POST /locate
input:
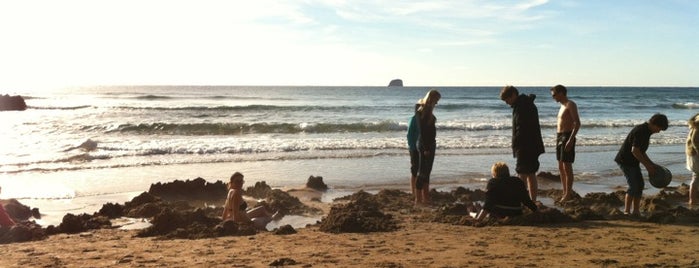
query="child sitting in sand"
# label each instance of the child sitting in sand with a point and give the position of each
(504, 194)
(237, 210)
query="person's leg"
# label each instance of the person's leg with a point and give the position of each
(568, 171)
(418, 196)
(526, 168)
(426, 193)
(634, 179)
(419, 184)
(414, 164)
(257, 212)
(532, 184)
(413, 179)
(636, 185)
(628, 200)
(560, 147)
(565, 164)
(261, 222)
(423, 180)
(636, 206)
(564, 183)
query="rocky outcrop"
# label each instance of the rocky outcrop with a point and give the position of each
(197, 189)
(316, 183)
(396, 83)
(12, 103)
(362, 214)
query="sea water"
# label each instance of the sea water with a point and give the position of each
(74, 149)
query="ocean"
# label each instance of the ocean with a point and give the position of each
(75, 149)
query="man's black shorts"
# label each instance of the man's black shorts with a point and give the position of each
(561, 154)
(527, 163)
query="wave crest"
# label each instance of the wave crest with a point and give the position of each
(244, 128)
(685, 105)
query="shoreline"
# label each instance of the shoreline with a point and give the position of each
(86, 191)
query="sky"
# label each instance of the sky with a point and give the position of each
(51, 44)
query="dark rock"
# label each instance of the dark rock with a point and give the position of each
(197, 189)
(112, 210)
(283, 262)
(35, 213)
(396, 83)
(17, 210)
(285, 230)
(462, 194)
(286, 204)
(361, 215)
(83, 222)
(316, 183)
(141, 199)
(549, 176)
(52, 230)
(654, 204)
(165, 222)
(21, 232)
(12, 103)
(146, 210)
(227, 228)
(192, 225)
(260, 190)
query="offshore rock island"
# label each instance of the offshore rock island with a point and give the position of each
(395, 83)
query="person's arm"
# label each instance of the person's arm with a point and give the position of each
(695, 141)
(490, 198)
(644, 159)
(481, 215)
(575, 118)
(227, 207)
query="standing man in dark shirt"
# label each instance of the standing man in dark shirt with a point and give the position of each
(633, 153)
(527, 144)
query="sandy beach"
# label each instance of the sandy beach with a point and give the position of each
(589, 244)
(415, 237)
(618, 243)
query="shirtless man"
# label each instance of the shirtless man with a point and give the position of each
(568, 126)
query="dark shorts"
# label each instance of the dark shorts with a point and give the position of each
(414, 162)
(634, 178)
(424, 169)
(527, 164)
(561, 154)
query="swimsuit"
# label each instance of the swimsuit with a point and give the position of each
(561, 141)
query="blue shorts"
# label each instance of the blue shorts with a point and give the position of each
(634, 178)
